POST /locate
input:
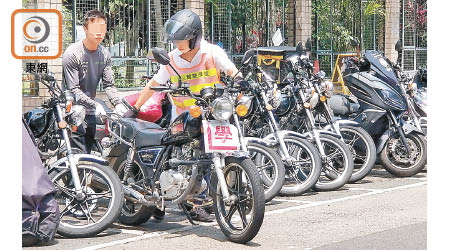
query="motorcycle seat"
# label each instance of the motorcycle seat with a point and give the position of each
(343, 105)
(145, 133)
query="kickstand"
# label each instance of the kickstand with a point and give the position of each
(188, 215)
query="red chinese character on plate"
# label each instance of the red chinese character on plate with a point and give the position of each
(223, 133)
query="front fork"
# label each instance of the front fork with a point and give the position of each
(400, 131)
(219, 164)
(276, 131)
(72, 164)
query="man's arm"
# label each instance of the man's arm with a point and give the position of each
(223, 63)
(70, 70)
(108, 81)
(146, 93)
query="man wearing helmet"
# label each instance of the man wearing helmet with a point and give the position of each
(198, 62)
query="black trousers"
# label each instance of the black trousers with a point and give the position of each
(84, 137)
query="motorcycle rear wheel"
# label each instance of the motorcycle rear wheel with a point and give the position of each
(132, 214)
(241, 220)
(363, 150)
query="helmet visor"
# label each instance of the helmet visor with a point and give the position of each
(178, 31)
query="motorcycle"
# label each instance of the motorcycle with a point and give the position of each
(358, 140)
(89, 193)
(300, 157)
(380, 107)
(199, 150)
(293, 106)
(415, 90)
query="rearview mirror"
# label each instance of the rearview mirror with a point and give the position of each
(159, 55)
(248, 56)
(398, 46)
(308, 45)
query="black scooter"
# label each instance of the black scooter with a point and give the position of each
(379, 106)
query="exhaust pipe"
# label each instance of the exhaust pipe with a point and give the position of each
(130, 193)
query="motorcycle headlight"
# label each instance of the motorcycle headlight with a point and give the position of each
(76, 116)
(392, 99)
(327, 86)
(276, 99)
(221, 109)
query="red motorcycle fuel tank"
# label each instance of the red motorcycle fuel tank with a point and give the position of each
(151, 110)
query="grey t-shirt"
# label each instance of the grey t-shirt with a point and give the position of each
(83, 69)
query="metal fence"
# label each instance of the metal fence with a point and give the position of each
(413, 32)
(335, 22)
(134, 26)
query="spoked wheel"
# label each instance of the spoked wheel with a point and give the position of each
(240, 218)
(98, 209)
(270, 168)
(337, 165)
(396, 160)
(363, 149)
(133, 214)
(304, 170)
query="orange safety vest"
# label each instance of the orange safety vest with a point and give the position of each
(199, 76)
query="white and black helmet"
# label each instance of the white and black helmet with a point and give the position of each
(185, 25)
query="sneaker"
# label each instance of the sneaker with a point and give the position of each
(200, 214)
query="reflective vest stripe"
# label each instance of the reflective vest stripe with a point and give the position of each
(194, 75)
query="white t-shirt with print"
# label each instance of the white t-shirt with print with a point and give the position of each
(220, 59)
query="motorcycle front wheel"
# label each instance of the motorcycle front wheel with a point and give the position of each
(363, 149)
(337, 164)
(97, 210)
(241, 218)
(270, 168)
(396, 160)
(305, 170)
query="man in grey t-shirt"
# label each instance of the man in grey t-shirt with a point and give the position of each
(85, 63)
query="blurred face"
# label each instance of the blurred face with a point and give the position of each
(182, 45)
(95, 31)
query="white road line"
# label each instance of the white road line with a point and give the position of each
(416, 178)
(278, 211)
(294, 201)
(127, 231)
(364, 189)
(351, 197)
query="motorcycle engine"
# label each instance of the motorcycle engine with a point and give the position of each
(174, 181)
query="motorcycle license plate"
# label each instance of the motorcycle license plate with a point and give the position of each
(220, 136)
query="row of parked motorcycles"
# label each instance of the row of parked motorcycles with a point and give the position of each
(241, 144)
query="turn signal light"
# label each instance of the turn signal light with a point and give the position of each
(307, 105)
(74, 128)
(241, 110)
(68, 107)
(195, 111)
(323, 98)
(269, 107)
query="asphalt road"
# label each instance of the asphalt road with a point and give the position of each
(381, 212)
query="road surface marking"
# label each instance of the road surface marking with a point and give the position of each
(278, 211)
